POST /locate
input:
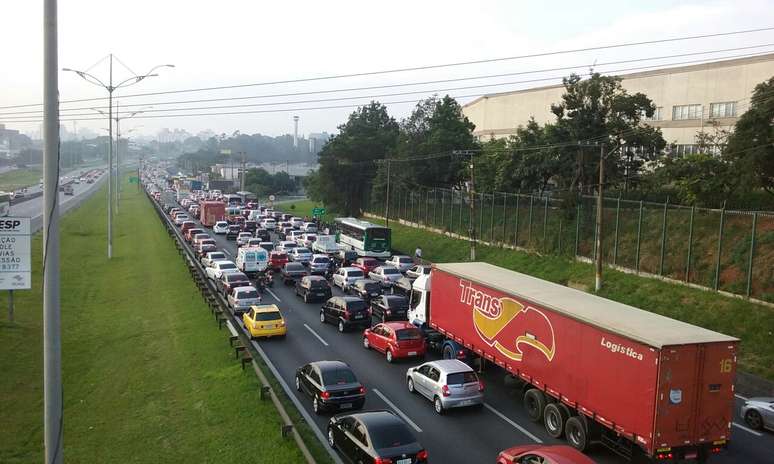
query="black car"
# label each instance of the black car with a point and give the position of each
(313, 287)
(231, 280)
(233, 231)
(250, 226)
(390, 307)
(292, 271)
(374, 437)
(346, 312)
(366, 289)
(346, 257)
(263, 234)
(331, 384)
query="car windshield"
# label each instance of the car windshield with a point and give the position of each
(390, 271)
(408, 334)
(248, 294)
(459, 378)
(338, 377)
(268, 316)
(390, 436)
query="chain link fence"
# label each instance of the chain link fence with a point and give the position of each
(718, 249)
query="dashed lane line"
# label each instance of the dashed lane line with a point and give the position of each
(316, 335)
(400, 413)
(514, 424)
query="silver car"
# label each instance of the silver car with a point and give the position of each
(385, 275)
(242, 298)
(402, 262)
(758, 413)
(319, 264)
(448, 383)
(347, 276)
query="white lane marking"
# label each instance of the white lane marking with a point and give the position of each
(227, 252)
(514, 424)
(395, 408)
(740, 397)
(754, 432)
(316, 335)
(274, 295)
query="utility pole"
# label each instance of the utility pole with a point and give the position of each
(598, 254)
(242, 189)
(472, 200)
(110, 162)
(387, 201)
(118, 158)
(52, 343)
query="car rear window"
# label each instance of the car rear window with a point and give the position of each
(459, 378)
(355, 274)
(217, 256)
(408, 334)
(248, 294)
(371, 287)
(279, 256)
(369, 262)
(302, 250)
(236, 277)
(208, 242)
(322, 260)
(228, 266)
(338, 377)
(268, 316)
(396, 302)
(390, 271)
(234, 228)
(318, 283)
(405, 260)
(356, 305)
(390, 436)
(294, 267)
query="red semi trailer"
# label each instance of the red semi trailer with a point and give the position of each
(212, 212)
(592, 370)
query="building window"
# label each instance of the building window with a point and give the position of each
(686, 112)
(657, 115)
(723, 110)
(681, 150)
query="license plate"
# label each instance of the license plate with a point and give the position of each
(358, 316)
(270, 326)
(403, 461)
(465, 403)
(412, 353)
(691, 455)
(345, 405)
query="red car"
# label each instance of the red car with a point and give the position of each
(366, 264)
(278, 259)
(396, 339)
(189, 234)
(555, 454)
(186, 226)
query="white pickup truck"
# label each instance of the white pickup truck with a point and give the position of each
(325, 244)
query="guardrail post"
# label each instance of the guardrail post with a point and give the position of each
(690, 246)
(663, 238)
(720, 246)
(577, 228)
(639, 237)
(752, 253)
(491, 220)
(545, 223)
(516, 225)
(615, 239)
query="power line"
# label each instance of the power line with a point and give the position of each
(427, 67)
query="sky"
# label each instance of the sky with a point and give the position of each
(238, 42)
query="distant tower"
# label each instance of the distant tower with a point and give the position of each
(295, 131)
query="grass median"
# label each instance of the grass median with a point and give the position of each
(147, 375)
(19, 178)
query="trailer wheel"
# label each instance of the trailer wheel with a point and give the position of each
(554, 417)
(448, 352)
(576, 433)
(534, 403)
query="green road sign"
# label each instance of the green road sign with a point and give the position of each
(318, 211)
(134, 180)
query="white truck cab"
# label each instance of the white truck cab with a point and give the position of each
(419, 301)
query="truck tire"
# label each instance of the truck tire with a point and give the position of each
(534, 404)
(448, 352)
(555, 415)
(576, 433)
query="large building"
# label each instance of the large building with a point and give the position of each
(687, 99)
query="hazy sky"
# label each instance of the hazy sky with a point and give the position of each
(228, 42)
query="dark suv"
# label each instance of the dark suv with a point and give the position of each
(331, 384)
(346, 312)
(250, 226)
(291, 272)
(233, 231)
(366, 289)
(390, 308)
(230, 281)
(313, 287)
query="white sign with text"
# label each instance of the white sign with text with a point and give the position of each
(15, 253)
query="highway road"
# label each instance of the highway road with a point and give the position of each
(460, 436)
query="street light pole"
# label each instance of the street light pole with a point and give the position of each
(598, 254)
(52, 343)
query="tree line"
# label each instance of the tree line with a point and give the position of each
(435, 147)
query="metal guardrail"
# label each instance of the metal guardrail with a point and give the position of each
(222, 314)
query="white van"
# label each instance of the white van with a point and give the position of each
(252, 260)
(325, 244)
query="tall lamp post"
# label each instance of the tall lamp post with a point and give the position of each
(110, 87)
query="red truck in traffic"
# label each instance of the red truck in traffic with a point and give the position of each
(591, 369)
(212, 212)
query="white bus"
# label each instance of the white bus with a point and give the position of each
(365, 238)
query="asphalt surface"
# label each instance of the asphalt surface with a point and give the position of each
(460, 436)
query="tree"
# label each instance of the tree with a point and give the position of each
(751, 146)
(348, 160)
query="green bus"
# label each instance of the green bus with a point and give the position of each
(365, 238)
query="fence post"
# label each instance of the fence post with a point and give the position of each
(462, 210)
(577, 228)
(443, 209)
(663, 238)
(560, 236)
(491, 220)
(529, 223)
(480, 235)
(690, 246)
(516, 224)
(545, 224)
(435, 207)
(594, 243)
(752, 253)
(639, 236)
(720, 246)
(615, 239)
(505, 217)
(427, 208)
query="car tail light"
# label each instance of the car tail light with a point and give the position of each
(445, 390)
(480, 385)
(716, 449)
(325, 395)
(422, 455)
(382, 461)
(362, 390)
(461, 354)
(665, 455)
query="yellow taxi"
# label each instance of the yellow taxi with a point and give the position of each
(264, 321)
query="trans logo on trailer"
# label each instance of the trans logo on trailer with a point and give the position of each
(507, 325)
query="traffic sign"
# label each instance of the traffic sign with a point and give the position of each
(15, 271)
(318, 211)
